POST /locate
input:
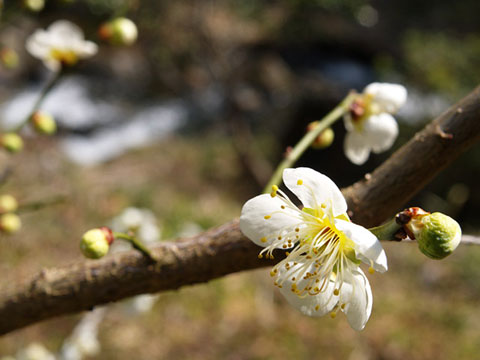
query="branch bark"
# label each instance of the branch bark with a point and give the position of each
(224, 250)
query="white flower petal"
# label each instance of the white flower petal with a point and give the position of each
(254, 225)
(388, 97)
(65, 29)
(356, 147)
(315, 189)
(367, 247)
(381, 131)
(37, 44)
(310, 305)
(86, 49)
(357, 295)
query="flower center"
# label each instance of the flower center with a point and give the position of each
(65, 57)
(361, 109)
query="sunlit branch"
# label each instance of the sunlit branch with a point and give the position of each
(224, 250)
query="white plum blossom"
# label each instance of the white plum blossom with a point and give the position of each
(321, 272)
(370, 124)
(63, 43)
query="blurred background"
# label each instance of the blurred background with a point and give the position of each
(191, 120)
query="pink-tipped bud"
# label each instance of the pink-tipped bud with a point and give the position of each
(10, 223)
(96, 242)
(119, 31)
(43, 123)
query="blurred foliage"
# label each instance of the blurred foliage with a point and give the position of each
(443, 62)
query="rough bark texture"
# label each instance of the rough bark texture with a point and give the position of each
(225, 250)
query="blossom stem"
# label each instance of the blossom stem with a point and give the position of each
(137, 244)
(43, 94)
(388, 231)
(293, 155)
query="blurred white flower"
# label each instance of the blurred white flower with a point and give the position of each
(144, 224)
(63, 43)
(35, 351)
(140, 304)
(141, 221)
(83, 341)
(369, 123)
(321, 272)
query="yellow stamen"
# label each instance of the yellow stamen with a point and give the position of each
(300, 182)
(263, 239)
(371, 270)
(266, 217)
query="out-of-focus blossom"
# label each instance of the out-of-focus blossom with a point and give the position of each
(83, 342)
(62, 44)
(369, 123)
(34, 351)
(140, 221)
(144, 224)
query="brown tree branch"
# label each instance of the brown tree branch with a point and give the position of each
(225, 250)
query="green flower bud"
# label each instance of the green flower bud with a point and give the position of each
(43, 123)
(7, 203)
(324, 140)
(96, 242)
(10, 223)
(438, 236)
(11, 142)
(120, 31)
(34, 5)
(9, 58)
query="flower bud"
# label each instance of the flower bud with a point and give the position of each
(7, 203)
(11, 142)
(438, 235)
(96, 242)
(324, 139)
(34, 5)
(10, 223)
(43, 123)
(9, 58)
(120, 31)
